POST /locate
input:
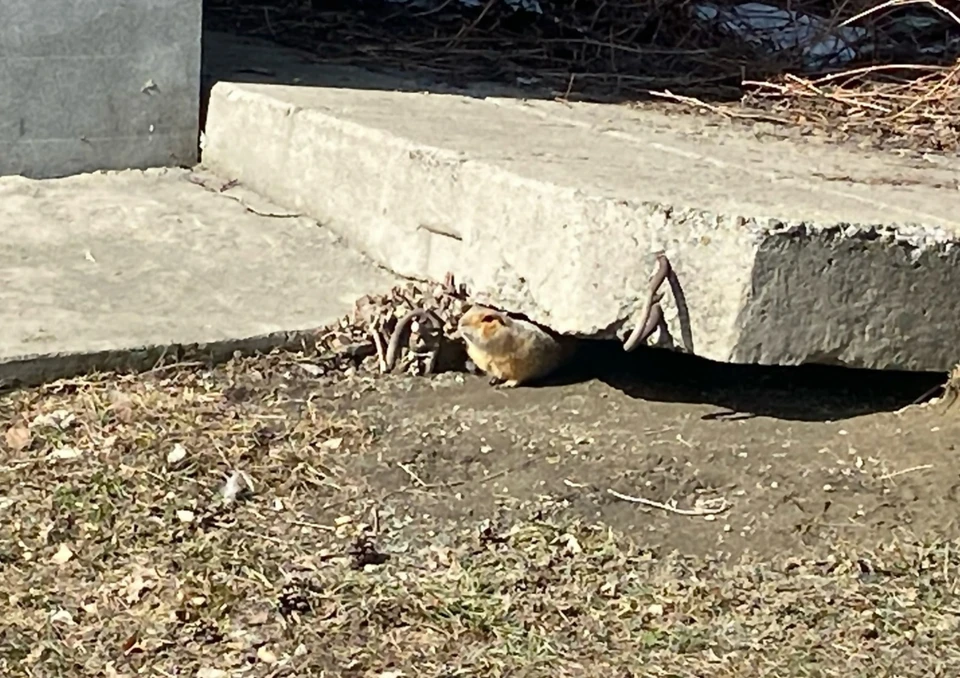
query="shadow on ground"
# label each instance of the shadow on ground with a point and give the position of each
(802, 393)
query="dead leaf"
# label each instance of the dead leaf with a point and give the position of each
(177, 454)
(260, 617)
(266, 656)
(236, 483)
(571, 545)
(206, 672)
(62, 555)
(186, 516)
(18, 438)
(67, 452)
(62, 617)
(136, 584)
(61, 419)
(129, 644)
(312, 370)
(123, 409)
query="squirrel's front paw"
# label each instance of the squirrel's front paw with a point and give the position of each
(509, 383)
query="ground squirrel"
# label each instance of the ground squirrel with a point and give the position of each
(511, 350)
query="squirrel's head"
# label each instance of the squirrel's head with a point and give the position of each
(483, 326)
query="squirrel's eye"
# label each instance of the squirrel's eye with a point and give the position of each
(489, 318)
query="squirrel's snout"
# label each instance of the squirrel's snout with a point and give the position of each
(465, 332)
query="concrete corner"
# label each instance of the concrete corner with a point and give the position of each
(100, 85)
(788, 250)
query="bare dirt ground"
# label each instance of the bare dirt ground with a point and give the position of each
(258, 520)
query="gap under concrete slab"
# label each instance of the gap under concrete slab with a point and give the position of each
(788, 250)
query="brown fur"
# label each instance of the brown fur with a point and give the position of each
(510, 349)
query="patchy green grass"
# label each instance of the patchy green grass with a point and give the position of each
(123, 553)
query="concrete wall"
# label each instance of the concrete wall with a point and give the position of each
(98, 84)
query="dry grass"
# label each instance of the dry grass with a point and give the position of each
(121, 556)
(905, 91)
(951, 389)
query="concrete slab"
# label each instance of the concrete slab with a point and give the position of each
(788, 251)
(113, 270)
(98, 85)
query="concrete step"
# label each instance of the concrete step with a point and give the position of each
(88, 86)
(125, 269)
(788, 249)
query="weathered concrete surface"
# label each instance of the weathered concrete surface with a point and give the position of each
(87, 85)
(787, 251)
(112, 270)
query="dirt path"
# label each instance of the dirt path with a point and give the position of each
(785, 485)
(438, 527)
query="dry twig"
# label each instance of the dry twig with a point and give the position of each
(701, 511)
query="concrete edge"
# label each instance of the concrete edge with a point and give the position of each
(832, 297)
(452, 230)
(855, 293)
(40, 369)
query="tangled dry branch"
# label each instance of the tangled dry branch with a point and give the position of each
(904, 87)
